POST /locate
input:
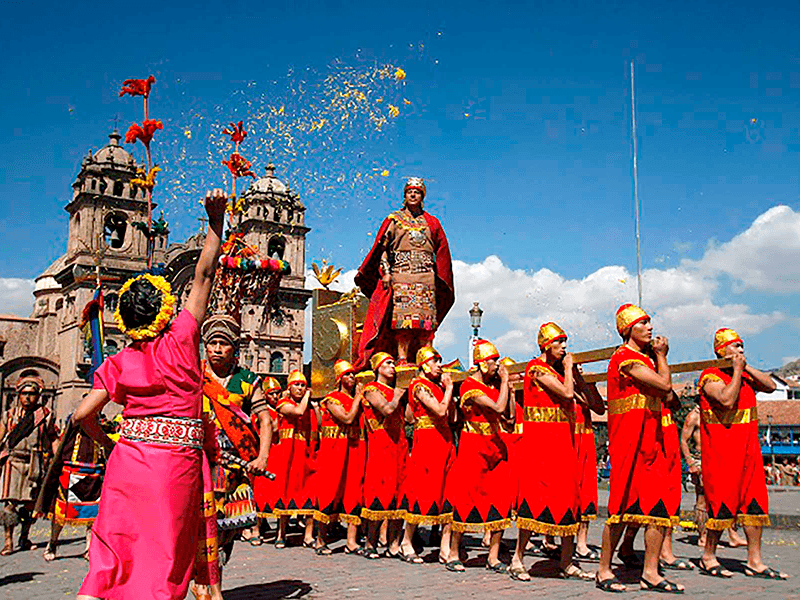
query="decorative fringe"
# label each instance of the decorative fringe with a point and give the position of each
(428, 519)
(642, 520)
(293, 512)
(327, 519)
(720, 524)
(588, 518)
(350, 519)
(459, 527)
(380, 515)
(753, 520)
(547, 528)
(266, 515)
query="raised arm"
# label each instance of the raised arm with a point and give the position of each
(727, 395)
(345, 417)
(215, 203)
(502, 398)
(379, 403)
(762, 382)
(659, 380)
(295, 410)
(565, 391)
(428, 400)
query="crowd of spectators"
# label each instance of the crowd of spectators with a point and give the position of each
(783, 472)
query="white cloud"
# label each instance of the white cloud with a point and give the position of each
(763, 257)
(16, 296)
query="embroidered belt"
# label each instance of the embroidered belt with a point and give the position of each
(634, 402)
(516, 429)
(332, 431)
(292, 433)
(666, 420)
(480, 427)
(163, 430)
(730, 417)
(583, 428)
(545, 414)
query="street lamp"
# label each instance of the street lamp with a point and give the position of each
(475, 315)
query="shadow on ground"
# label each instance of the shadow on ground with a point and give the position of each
(18, 578)
(275, 590)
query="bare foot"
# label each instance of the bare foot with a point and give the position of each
(50, 553)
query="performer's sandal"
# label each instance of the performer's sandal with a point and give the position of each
(573, 571)
(591, 555)
(370, 553)
(323, 550)
(280, 544)
(519, 573)
(412, 558)
(498, 567)
(678, 564)
(348, 550)
(607, 585)
(767, 573)
(49, 553)
(663, 586)
(716, 571)
(456, 566)
(255, 540)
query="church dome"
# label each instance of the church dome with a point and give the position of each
(114, 155)
(268, 183)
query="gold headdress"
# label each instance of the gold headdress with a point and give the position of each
(271, 385)
(415, 183)
(297, 376)
(426, 354)
(341, 368)
(378, 359)
(628, 315)
(725, 337)
(483, 351)
(549, 333)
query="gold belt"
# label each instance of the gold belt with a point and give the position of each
(730, 417)
(583, 428)
(374, 424)
(666, 420)
(292, 433)
(634, 402)
(545, 414)
(426, 422)
(481, 427)
(332, 431)
(516, 429)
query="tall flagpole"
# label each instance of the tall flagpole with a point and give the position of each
(636, 187)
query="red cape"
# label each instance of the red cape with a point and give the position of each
(377, 334)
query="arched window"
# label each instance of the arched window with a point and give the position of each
(110, 302)
(114, 229)
(276, 362)
(118, 188)
(276, 247)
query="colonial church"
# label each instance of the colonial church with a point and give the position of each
(104, 245)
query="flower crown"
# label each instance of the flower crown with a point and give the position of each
(164, 314)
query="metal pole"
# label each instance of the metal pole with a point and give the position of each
(636, 186)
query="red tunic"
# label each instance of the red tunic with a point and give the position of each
(733, 471)
(478, 489)
(265, 491)
(332, 458)
(387, 449)
(295, 460)
(672, 449)
(353, 497)
(512, 436)
(432, 455)
(640, 491)
(587, 462)
(549, 496)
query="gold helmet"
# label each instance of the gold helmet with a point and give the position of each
(549, 333)
(297, 376)
(725, 337)
(483, 351)
(378, 359)
(341, 368)
(425, 355)
(627, 316)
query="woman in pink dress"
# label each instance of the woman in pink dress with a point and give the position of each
(145, 538)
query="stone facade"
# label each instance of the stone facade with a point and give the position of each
(104, 243)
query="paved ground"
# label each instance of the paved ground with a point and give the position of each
(265, 573)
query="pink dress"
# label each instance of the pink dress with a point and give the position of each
(145, 537)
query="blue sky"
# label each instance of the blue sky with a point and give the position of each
(519, 118)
